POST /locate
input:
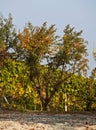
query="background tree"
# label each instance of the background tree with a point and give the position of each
(8, 37)
(15, 86)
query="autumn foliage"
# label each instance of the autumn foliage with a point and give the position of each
(42, 71)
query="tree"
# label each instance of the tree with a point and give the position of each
(8, 38)
(35, 45)
(14, 82)
(71, 58)
(63, 58)
(72, 55)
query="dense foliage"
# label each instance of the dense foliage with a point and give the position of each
(41, 71)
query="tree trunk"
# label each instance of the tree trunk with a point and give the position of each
(88, 105)
(45, 106)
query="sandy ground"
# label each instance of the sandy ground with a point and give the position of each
(47, 121)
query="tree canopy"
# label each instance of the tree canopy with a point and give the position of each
(38, 62)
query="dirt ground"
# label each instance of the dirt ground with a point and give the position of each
(12, 120)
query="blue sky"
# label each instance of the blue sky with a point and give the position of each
(77, 13)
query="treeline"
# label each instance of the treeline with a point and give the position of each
(42, 71)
